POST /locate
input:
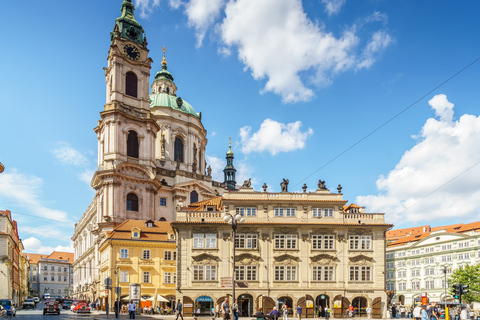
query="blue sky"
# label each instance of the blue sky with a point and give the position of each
(294, 83)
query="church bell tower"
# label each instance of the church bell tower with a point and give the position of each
(125, 180)
(230, 171)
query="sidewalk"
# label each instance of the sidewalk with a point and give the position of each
(125, 316)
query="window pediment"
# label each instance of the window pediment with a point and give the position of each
(324, 259)
(361, 260)
(247, 259)
(286, 259)
(205, 259)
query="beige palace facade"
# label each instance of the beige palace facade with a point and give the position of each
(300, 249)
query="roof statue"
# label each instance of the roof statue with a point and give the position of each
(284, 185)
(264, 187)
(304, 187)
(321, 185)
(247, 183)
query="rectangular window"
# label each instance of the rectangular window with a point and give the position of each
(402, 274)
(390, 255)
(446, 247)
(317, 212)
(52, 268)
(285, 241)
(146, 277)
(360, 242)
(390, 286)
(53, 278)
(285, 273)
(34, 268)
(60, 269)
(401, 254)
(415, 252)
(415, 262)
(328, 213)
(45, 268)
(174, 277)
(429, 271)
(246, 273)
(204, 273)
(360, 273)
(415, 285)
(323, 273)
(390, 265)
(167, 277)
(402, 286)
(146, 255)
(163, 202)
(429, 249)
(247, 211)
(45, 278)
(246, 241)
(284, 212)
(64, 279)
(430, 284)
(325, 242)
(168, 255)
(123, 253)
(415, 272)
(59, 278)
(401, 263)
(207, 240)
(123, 276)
(34, 279)
(429, 260)
(389, 275)
(446, 258)
(447, 284)
(464, 244)
(463, 256)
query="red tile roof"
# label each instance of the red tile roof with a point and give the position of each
(159, 232)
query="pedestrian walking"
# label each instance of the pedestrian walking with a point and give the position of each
(116, 305)
(225, 310)
(299, 313)
(274, 313)
(179, 309)
(132, 309)
(327, 312)
(235, 310)
(285, 312)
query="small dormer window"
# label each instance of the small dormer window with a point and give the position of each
(210, 208)
(149, 224)
(136, 233)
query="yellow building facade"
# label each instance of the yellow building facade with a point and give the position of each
(139, 252)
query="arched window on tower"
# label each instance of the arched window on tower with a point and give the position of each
(132, 202)
(131, 84)
(193, 196)
(178, 152)
(132, 144)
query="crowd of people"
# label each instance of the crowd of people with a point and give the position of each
(432, 312)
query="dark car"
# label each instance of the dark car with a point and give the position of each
(51, 307)
(67, 303)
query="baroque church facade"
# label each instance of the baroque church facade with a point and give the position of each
(151, 152)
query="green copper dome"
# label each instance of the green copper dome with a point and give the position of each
(176, 103)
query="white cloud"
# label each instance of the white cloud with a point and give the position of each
(68, 155)
(86, 176)
(202, 14)
(274, 137)
(430, 179)
(217, 164)
(333, 6)
(286, 47)
(22, 190)
(145, 7)
(379, 41)
(34, 245)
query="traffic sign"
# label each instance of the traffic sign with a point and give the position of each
(108, 281)
(106, 291)
(118, 290)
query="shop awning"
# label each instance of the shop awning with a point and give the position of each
(204, 299)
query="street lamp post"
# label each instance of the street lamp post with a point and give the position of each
(233, 221)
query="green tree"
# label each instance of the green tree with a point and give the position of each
(469, 275)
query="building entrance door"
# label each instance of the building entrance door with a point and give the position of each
(245, 305)
(322, 301)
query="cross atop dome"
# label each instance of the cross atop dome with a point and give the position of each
(164, 61)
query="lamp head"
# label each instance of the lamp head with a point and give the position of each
(238, 217)
(227, 218)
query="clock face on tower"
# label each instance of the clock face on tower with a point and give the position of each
(131, 52)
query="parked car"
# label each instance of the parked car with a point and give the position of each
(36, 299)
(67, 303)
(8, 305)
(29, 303)
(51, 307)
(82, 307)
(3, 312)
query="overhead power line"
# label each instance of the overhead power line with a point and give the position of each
(387, 122)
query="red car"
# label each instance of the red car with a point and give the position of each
(81, 307)
(51, 307)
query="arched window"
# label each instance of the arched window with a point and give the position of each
(193, 196)
(131, 84)
(162, 219)
(132, 202)
(178, 152)
(132, 144)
